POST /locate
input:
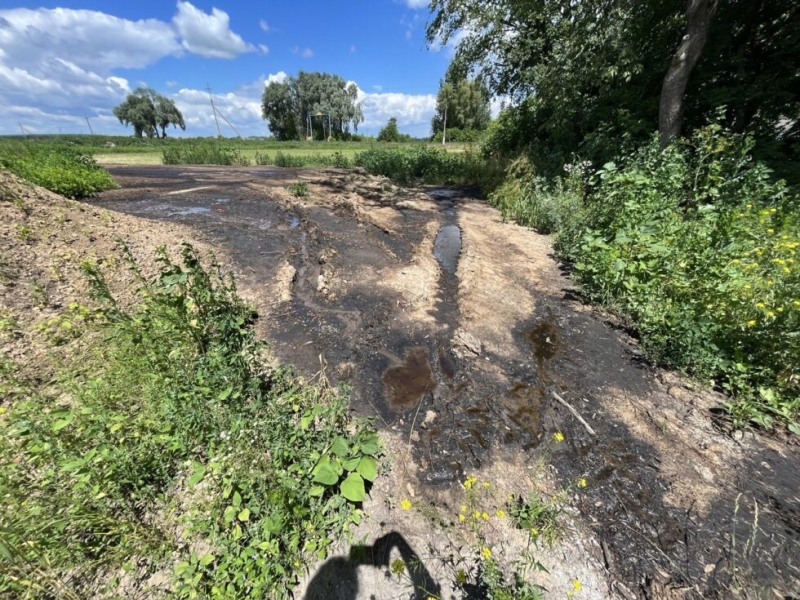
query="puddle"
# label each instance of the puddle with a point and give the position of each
(265, 173)
(524, 408)
(170, 210)
(447, 247)
(294, 221)
(545, 340)
(406, 384)
(222, 200)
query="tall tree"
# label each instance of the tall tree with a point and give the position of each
(287, 106)
(147, 110)
(461, 103)
(699, 14)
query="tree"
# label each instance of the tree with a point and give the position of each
(390, 133)
(290, 107)
(587, 76)
(461, 104)
(147, 110)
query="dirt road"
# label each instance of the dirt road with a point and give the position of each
(462, 336)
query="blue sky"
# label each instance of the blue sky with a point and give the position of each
(62, 61)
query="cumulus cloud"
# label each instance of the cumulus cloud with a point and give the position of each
(264, 25)
(417, 3)
(57, 65)
(208, 34)
(412, 111)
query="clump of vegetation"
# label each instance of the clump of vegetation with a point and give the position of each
(390, 133)
(60, 169)
(170, 447)
(290, 160)
(698, 245)
(430, 165)
(203, 154)
(298, 190)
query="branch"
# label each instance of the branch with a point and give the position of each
(575, 414)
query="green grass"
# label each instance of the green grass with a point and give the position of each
(62, 169)
(168, 446)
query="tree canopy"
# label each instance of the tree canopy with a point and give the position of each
(464, 103)
(287, 106)
(587, 75)
(148, 110)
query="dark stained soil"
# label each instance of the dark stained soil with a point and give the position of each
(458, 330)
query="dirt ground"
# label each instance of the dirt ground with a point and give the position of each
(471, 348)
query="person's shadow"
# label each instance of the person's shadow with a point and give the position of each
(337, 579)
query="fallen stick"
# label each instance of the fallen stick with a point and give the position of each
(575, 413)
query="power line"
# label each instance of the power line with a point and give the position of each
(214, 110)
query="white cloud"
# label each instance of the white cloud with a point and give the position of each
(264, 25)
(412, 111)
(415, 4)
(263, 49)
(208, 34)
(304, 52)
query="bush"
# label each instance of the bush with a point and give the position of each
(462, 136)
(60, 169)
(206, 154)
(173, 447)
(430, 165)
(698, 245)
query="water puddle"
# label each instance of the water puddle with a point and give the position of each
(407, 383)
(524, 408)
(442, 193)
(222, 201)
(447, 247)
(294, 221)
(170, 210)
(265, 173)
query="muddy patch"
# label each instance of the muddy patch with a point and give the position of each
(407, 383)
(447, 247)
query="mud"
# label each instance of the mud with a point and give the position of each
(459, 341)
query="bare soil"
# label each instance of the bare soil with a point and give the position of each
(458, 333)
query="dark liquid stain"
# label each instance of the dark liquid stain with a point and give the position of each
(446, 364)
(406, 384)
(524, 406)
(447, 247)
(546, 342)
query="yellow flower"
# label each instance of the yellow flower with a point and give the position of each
(577, 585)
(485, 516)
(749, 206)
(469, 482)
(582, 482)
(751, 322)
(787, 270)
(796, 302)
(770, 314)
(760, 304)
(558, 436)
(405, 504)
(486, 552)
(770, 231)
(461, 517)
(486, 484)
(501, 514)
(534, 532)
(463, 508)
(477, 514)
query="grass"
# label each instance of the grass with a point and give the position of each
(167, 446)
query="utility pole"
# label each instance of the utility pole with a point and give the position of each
(444, 128)
(214, 110)
(90, 126)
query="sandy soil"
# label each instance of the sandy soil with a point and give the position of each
(467, 362)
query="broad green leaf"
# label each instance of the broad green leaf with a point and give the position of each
(197, 475)
(224, 395)
(317, 490)
(230, 514)
(350, 464)
(368, 468)
(324, 473)
(371, 445)
(61, 423)
(206, 560)
(353, 488)
(244, 515)
(237, 499)
(339, 447)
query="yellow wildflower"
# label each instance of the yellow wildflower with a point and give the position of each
(501, 514)
(461, 517)
(405, 504)
(485, 516)
(770, 231)
(770, 314)
(558, 436)
(787, 270)
(486, 552)
(486, 484)
(751, 322)
(463, 508)
(470, 481)
(760, 304)
(477, 514)
(582, 482)
(577, 585)
(534, 532)
(796, 302)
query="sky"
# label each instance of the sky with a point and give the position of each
(63, 61)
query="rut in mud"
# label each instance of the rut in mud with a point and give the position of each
(458, 330)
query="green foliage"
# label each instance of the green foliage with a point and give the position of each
(322, 96)
(466, 104)
(147, 110)
(430, 165)
(289, 160)
(460, 136)
(390, 133)
(172, 422)
(495, 584)
(60, 169)
(299, 189)
(539, 518)
(203, 154)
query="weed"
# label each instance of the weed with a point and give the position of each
(25, 233)
(298, 190)
(537, 517)
(207, 154)
(39, 294)
(173, 420)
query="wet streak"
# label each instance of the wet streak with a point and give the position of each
(408, 383)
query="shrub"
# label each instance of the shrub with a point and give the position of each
(464, 136)
(60, 169)
(174, 423)
(205, 154)
(288, 160)
(698, 245)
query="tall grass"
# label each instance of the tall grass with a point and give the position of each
(60, 169)
(206, 154)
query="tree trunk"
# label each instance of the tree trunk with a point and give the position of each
(699, 14)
